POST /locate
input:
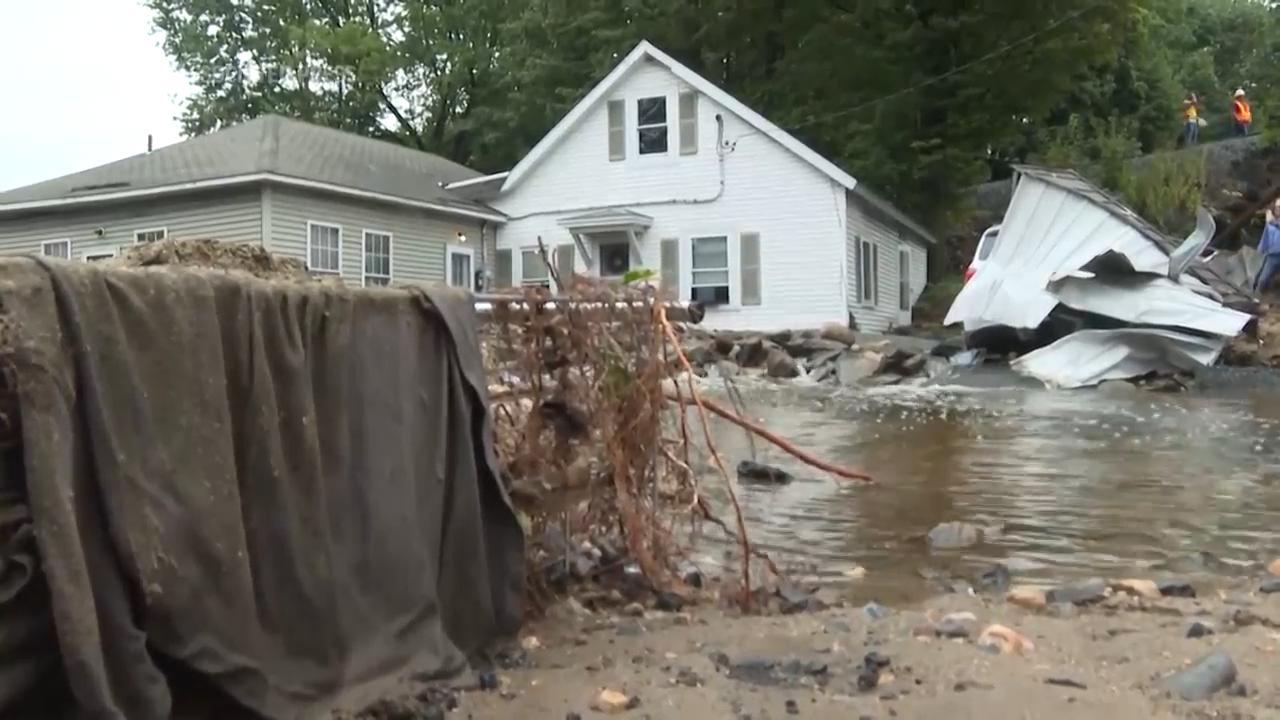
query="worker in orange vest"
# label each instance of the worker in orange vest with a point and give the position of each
(1241, 113)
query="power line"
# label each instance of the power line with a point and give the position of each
(954, 71)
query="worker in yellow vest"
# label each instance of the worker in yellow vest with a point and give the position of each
(1241, 113)
(1191, 119)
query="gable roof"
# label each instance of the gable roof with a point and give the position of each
(272, 148)
(645, 50)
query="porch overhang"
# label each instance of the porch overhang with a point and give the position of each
(618, 220)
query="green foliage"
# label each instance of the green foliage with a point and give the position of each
(1168, 190)
(638, 275)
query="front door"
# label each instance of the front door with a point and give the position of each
(615, 259)
(460, 267)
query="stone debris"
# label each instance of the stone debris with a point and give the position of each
(1176, 588)
(1199, 630)
(995, 579)
(1027, 597)
(1086, 592)
(1209, 675)
(1270, 587)
(956, 625)
(1005, 641)
(1274, 567)
(1138, 588)
(754, 472)
(612, 702)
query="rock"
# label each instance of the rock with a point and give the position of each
(1176, 588)
(690, 575)
(1006, 641)
(635, 610)
(723, 345)
(875, 611)
(876, 660)
(796, 599)
(840, 334)
(953, 535)
(1210, 674)
(755, 472)
(956, 625)
(857, 572)
(810, 347)
(1066, 682)
(1270, 586)
(964, 685)
(1138, 588)
(792, 707)
(853, 367)
(1274, 567)
(782, 365)
(699, 354)
(995, 579)
(754, 353)
(868, 679)
(781, 337)
(1199, 630)
(913, 365)
(719, 659)
(669, 602)
(1085, 592)
(687, 678)
(1241, 689)
(1027, 597)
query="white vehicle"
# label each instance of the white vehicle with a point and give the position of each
(986, 245)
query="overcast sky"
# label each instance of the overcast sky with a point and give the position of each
(83, 83)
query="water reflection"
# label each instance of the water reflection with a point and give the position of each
(1081, 483)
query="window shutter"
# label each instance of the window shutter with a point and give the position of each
(749, 257)
(671, 268)
(502, 268)
(564, 265)
(617, 130)
(688, 123)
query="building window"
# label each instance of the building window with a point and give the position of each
(868, 272)
(904, 280)
(533, 269)
(324, 248)
(100, 255)
(710, 270)
(615, 259)
(377, 258)
(461, 261)
(651, 121)
(56, 249)
(150, 236)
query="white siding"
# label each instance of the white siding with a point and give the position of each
(418, 240)
(231, 216)
(798, 211)
(919, 269)
(880, 315)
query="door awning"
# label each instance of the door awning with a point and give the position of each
(607, 221)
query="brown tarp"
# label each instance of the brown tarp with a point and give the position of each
(288, 491)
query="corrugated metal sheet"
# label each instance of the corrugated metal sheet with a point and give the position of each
(1089, 357)
(1149, 301)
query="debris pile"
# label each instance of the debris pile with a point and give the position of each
(1094, 292)
(590, 391)
(219, 255)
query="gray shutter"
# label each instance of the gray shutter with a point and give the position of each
(502, 268)
(671, 268)
(564, 265)
(749, 258)
(688, 123)
(617, 129)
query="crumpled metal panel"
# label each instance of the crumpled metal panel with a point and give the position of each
(1149, 300)
(1089, 357)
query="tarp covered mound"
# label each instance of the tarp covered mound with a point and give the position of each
(286, 491)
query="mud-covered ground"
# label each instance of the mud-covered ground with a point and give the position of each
(1107, 660)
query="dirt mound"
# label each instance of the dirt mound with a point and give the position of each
(252, 259)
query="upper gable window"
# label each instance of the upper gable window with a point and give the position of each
(651, 122)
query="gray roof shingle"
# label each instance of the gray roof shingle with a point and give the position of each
(270, 144)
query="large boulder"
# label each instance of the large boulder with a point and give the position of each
(754, 352)
(840, 334)
(809, 347)
(782, 365)
(723, 345)
(854, 367)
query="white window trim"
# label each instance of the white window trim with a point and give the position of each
(865, 250)
(449, 251)
(666, 123)
(341, 247)
(364, 251)
(732, 254)
(528, 283)
(136, 233)
(46, 243)
(91, 255)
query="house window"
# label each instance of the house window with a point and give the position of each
(651, 122)
(710, 270)
(56, 249)
(377, 258)
(615, 259)
(904, 280)
(533, 269)
(868, 272)
(461, 260)
(99, 256)
(150, 236)
(324, 248)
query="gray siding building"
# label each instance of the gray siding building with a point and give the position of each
(372, 211)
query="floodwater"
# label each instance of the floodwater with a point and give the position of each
(1077, 483)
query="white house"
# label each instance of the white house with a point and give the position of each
(658, 168)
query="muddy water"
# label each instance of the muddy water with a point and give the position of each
(1079, 483)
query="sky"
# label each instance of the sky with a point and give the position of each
(82, 83)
